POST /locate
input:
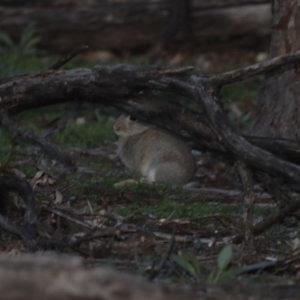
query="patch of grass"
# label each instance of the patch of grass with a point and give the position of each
(6, 237)
(165, 206)
(162, 188)
(169, 207)
(239, 102)
(93, 132)
(30, 118)
(107, 181)
(92, 187)
(10, 64)
(240, 91)
(90, 134)
(6, 144)
(29, 171)
(136, 60)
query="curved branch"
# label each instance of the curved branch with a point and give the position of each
(28, 230)
(226, 133)
(49, 148)
(66, 58)
(253, 70)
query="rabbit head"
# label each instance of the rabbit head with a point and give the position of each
(126, 126)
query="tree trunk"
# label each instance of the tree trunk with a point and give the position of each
(279, 98)
(137, 25)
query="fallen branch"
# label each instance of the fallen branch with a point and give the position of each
(246, 175)
(68, 216)
(28, 231)
(62, 277)
(49, 148)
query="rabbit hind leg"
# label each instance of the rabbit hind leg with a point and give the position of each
(167, 172)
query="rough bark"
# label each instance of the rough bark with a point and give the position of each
(279, 98)
(28, 230)
(123, 26)
(61, 277)
(197, 3)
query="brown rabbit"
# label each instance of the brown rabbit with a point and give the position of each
(152, 153)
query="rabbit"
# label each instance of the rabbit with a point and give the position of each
(152, 153)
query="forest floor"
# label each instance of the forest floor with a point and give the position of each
(159, 231)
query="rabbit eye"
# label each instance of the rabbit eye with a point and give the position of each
(132, 118)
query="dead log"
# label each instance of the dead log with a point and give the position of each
(138, 25)
(197, 3)
(61, 277)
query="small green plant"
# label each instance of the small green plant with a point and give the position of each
(191, 265)
(223, 262)
(25, 45)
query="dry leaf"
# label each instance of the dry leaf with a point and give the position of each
(19, 173)
(37, 176)
(294, 244)
(45, 178)
(16, 201)
(125, 183)
(58, 197)
(51, 180)
(80, 121)
(90, 207)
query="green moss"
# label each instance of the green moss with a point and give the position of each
(240, 91)
(29, 171)
(90, 134)
(6, 237)
(11, 64)
(168, 207)
(6, 144)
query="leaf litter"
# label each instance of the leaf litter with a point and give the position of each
(162, 232)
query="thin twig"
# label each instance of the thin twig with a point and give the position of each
(95, 234)
(177, 238)
(28, 230)
(62, 61)
(249, 198)
(167, 255)
(8, 159)
(51, 149)
(67, 216)
(136, 257)
(256, 69)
